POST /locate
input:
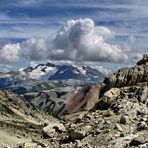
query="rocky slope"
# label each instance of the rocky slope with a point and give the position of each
(120, 118)
(19, 120)
(112, 116)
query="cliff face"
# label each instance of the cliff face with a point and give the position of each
(129, 76)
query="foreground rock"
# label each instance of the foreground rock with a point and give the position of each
(117, 97)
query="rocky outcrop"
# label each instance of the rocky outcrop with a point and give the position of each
(83, 100)
(138, 93)
(144, 60)
(128, 76)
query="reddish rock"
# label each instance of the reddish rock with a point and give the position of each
(84, 99)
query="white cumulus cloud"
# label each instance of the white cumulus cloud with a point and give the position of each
(34, 49)
(10, 53)
(81, 40)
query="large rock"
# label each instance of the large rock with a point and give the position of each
(52, 128)
(139, 140)
(108, 97)
(80, 132)
(128, 76)
(131, 100)
(144, 60)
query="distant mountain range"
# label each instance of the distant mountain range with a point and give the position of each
(50, 71)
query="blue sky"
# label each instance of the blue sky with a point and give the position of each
(24, 19)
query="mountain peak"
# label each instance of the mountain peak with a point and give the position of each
(51, 64)
(50, 71)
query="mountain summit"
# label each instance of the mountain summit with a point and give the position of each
(50, 71)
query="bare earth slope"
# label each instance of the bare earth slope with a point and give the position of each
(20, 120)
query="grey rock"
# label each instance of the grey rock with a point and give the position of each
(52, 128)
(80, 132)
(118, 127)
(128, 76)
(141, 139)
(144, 60)
(108, 97)
(142, 125)
(124, 119)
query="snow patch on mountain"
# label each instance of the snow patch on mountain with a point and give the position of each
(42, 72)
(81, 70)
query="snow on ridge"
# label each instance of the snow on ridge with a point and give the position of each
(39, 74)
(82, 71)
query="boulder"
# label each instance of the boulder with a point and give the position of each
(80, 132)
(107, 98)
(139, 140)
(144, 60)
(118, 127)
(124, 119)
(142, 126)
(52, 128)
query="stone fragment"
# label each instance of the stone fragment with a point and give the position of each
(141, 126)
(118, 127)
(51, 129)
(124, 119)
(80, 132)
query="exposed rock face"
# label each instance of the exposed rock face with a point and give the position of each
(61, 102)
(136, 93)
(144, 60)
(129, 76)
(52, 101)
(83, 100)
(140, 140)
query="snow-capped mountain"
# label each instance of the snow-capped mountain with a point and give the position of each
(49, 71)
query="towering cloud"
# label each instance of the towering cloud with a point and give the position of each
(81, 40)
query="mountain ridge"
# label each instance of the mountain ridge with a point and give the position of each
(50, 71)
